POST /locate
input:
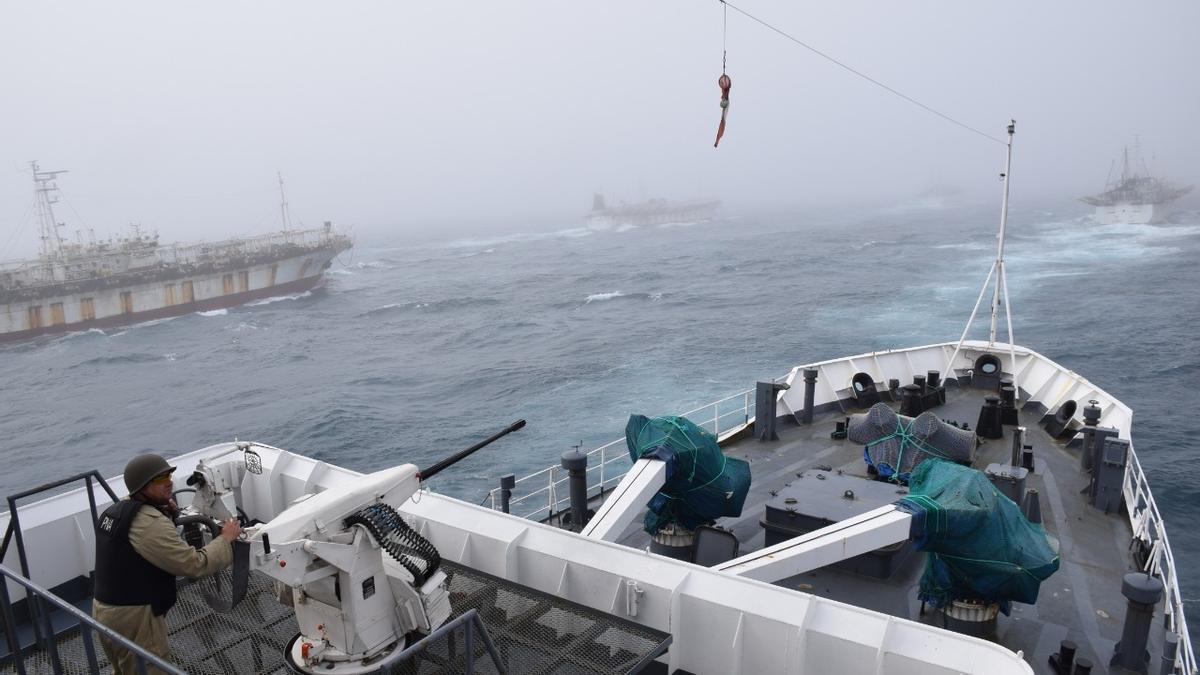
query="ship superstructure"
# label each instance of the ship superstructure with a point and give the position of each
(83, 284)
(1135, 197)
(648, 213)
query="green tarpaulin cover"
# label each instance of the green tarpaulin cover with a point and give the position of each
(702, 483)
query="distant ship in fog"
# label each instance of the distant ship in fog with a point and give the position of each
(1135, 197)
(80, 285)
(648, 213)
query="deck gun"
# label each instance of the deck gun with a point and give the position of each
(359, 577)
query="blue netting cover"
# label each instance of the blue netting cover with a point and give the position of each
(979, 544)
(702, 483)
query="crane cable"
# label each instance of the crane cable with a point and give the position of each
(864, 76)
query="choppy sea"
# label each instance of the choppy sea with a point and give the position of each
(414, 350)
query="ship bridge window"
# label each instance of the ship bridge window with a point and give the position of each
(987, 364)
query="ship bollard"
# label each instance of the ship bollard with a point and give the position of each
(810, 392)
(1064, 661)
(1170, 649)
(1143, 592)
(507, 483)
(910, 400)
(575, 462)
(1091, 419)
(1031, 507)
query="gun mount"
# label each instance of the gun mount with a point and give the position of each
(360, 579)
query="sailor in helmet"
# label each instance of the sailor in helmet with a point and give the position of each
(138, 556)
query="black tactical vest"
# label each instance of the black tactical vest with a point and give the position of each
(122, 576)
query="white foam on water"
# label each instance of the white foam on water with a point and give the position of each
(492, 242)
(279, 298)
(597, 297)
(214, 312)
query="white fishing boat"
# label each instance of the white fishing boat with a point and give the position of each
(1134, 197)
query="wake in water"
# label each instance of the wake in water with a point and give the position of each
(278, 298)
(615, 295)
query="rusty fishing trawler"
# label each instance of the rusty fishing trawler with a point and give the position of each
(88, 283)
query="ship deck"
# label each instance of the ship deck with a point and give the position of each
(1081, 602)
(532, 631)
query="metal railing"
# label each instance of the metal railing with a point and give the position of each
(88, 627)
(1148, 528)
(14, 530)
(545, 493)
(472, 626)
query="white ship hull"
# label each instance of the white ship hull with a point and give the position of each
(1127, 213)
(120, 306)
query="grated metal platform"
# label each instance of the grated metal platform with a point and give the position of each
(539, 634)
(535, 633)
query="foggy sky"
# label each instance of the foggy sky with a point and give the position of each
(398, 118)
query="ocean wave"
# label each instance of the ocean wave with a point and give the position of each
(279, 298)
(618, 295)
(123, 359)
(519, 237)
(870, 243)
(431, 305)
(214, 312)
(373, 265)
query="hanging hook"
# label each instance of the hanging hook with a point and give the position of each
(725, 84)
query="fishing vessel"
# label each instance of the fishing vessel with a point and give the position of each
(88, 283)
(648, 213)
(1134, 197)
(968, 506)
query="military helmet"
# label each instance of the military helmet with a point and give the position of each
(144, 468)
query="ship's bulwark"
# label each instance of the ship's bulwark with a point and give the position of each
(165, 297)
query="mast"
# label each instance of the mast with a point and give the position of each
(283, 204)
(45, 194)
(1001, 287)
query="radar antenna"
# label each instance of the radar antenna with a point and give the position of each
(1001, 285)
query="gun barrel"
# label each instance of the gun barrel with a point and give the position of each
(426, 474)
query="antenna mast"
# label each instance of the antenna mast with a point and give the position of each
(45, 193)
(1001, 286)
(283, 204)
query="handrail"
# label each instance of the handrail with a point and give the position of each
(1149, 528)
(14, 528)
(472, 626)
(717, 423)
(87, 625)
